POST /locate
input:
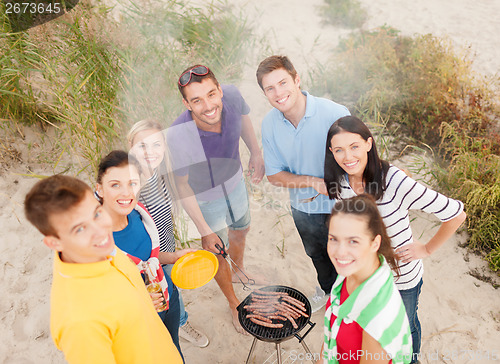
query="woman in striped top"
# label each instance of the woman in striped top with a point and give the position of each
(352, 167)
(147, 144)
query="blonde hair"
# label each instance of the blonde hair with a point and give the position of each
(142, 125)
(148, 124)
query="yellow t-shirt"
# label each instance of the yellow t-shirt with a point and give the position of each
(102, 313)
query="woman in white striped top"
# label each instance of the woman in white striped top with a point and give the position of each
(353, 167)
(147, 144)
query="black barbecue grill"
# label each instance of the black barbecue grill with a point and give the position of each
(276, 335)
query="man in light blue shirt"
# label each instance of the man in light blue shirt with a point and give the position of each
(294, 141)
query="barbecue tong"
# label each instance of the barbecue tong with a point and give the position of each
(232, 264)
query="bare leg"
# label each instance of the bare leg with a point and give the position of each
(236, 251)
(223, 279)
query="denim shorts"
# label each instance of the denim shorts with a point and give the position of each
(232, 212)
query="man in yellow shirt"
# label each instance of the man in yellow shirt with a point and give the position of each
(100, 309)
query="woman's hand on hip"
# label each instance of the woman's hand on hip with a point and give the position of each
(413, 251)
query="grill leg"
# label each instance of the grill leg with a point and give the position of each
(303, 342)
(251, 350)
(278, 351)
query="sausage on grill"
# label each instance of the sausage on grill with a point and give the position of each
(265, 306)
(266, 324)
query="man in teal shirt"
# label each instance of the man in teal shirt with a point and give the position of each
(294, 139)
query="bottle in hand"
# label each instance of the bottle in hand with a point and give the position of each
(153, 286)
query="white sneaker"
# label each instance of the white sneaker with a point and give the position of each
(195, 337)
(318, 300)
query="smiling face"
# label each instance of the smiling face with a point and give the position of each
(148, 147)
(350, 151)
(351, 247)
(281, 90)
(204, 100)
(84, 232)
(118, 189)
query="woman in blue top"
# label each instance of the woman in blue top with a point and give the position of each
(134, 230)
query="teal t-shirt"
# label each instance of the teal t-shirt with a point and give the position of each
(301, 150)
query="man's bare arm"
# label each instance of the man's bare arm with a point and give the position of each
(256, 162)
(290, 180)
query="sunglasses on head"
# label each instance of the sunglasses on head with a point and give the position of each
(196, 70)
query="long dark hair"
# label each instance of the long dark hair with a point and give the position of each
(365, 206)
(376, 168)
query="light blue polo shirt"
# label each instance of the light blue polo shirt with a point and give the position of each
(301, 150)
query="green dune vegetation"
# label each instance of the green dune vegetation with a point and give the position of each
(419, 91)
(91, 73)
(86, 76)
(344, 13)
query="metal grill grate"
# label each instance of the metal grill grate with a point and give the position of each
(274, 334)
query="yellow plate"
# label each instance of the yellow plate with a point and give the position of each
(195, 269)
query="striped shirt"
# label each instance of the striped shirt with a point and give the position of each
(377, 307)
(401, 195)
(155, 196)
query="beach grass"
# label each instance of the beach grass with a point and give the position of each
(90, 76)
(427, 95)
(161, 39)
(61, 75)
(345, 13)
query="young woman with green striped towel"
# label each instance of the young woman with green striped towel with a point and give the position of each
(365, 319)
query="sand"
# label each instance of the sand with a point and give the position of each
(460, 314)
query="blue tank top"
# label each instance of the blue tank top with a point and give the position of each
(134, 239)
